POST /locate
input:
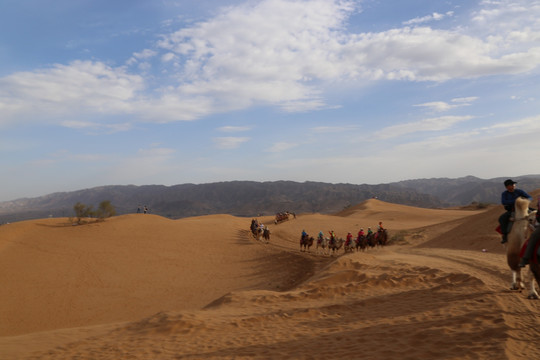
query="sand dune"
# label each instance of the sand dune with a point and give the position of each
(145, 287)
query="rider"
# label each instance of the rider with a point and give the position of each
(332, 236)
(380, 227)
(349, 239)
(361, 233)
(304, 234)
(369, 231)
(508, 198)
(321, 236)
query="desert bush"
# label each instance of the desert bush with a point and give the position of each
(82, 211)
(105, 210)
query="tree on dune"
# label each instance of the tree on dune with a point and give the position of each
(105, 210)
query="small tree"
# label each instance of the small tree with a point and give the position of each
(82, 211)
(105, 210)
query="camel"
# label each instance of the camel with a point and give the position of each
(535, 269)
(349, 246)
(266, 235)
(534, 262)
(323, 244)
(516, 237)
(306, 242)
(335, 245)
(382, 237)
(361, 243)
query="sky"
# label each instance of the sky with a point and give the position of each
(100, 92)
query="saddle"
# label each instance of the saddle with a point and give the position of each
(535, 252)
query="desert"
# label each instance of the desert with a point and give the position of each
(142, 286)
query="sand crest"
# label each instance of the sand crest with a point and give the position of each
(145, 287)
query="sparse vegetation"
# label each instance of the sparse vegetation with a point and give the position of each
(105, 210)
(82, 211)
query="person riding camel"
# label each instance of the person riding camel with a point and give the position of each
(508, 199)
(369, 232)
(361, 233)
(320, 237)
(304, 234)
(380, 227)
(332, 237)
(348, 241)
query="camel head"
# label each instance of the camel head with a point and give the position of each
(521, 206)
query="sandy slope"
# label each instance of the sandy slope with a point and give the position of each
(144, 287)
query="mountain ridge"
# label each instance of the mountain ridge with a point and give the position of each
(251, 198)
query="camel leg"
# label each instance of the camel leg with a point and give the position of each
(532, 292)
(517, 283)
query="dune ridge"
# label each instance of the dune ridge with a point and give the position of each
(142, 286)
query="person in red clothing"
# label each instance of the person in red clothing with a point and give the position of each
(349, 239)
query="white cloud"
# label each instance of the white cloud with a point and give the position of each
(96, 127)
(230, 129)
(431, 124)
(280, 147)
(433, 17)
(229, 142)
(280, 53)
(438, 106)
(79, 87)
(441, 106)
(465, 100)
(168, 57)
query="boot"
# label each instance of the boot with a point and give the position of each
(523, 262)
(504, 238)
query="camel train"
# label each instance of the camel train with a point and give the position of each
(260, 231)
(362, 242)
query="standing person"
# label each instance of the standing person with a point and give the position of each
(508, 198)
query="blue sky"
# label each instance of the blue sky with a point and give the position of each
(168, 92)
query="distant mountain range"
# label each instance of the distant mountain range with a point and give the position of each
(249, 198)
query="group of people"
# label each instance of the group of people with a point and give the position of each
(144, 210)
(258, 229)
(349, 236)
(508, 199)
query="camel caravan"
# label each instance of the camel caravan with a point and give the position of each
(332, 244)
(328, 245)
(283, 216)
(260, 231)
